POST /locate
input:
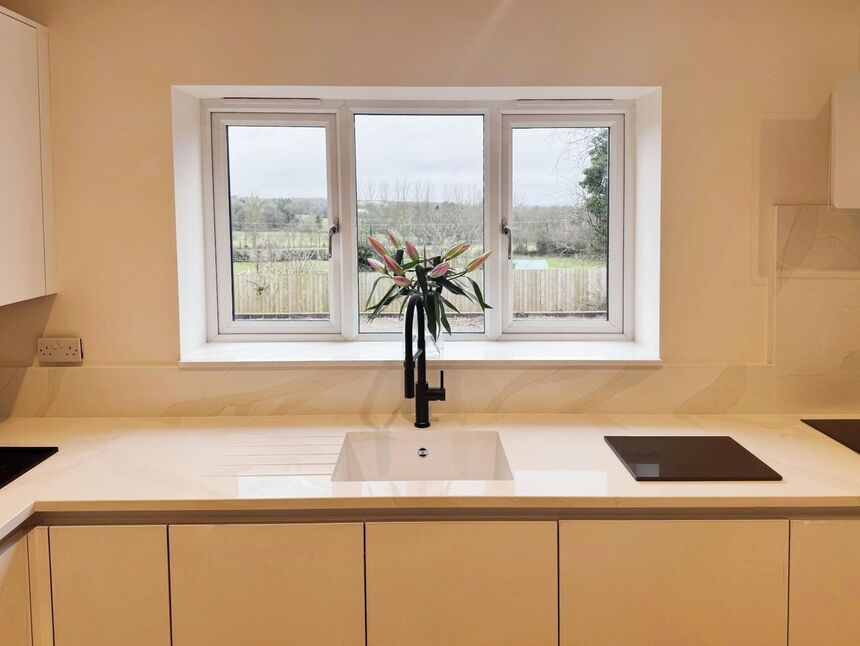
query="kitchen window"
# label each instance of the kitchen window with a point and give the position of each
(298, 186)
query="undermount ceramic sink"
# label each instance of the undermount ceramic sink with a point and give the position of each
(422, 455)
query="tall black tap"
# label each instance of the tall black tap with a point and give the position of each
(419, 390)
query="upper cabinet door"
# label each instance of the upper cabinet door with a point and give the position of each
(267, 584)
(825, 583)
(462, 583)
(22, 227)
(703, 582)
(14, 594)
(110, 585)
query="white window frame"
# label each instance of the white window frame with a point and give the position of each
(220, 122)
(614, 323)
(499, 117)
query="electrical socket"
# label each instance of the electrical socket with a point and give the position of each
(63, 351)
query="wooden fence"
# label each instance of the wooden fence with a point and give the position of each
(547, 291)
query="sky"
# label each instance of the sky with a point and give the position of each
(437, 151)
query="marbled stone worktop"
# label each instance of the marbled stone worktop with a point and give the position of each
(277, 464)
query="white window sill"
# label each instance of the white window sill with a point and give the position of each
(320, 354)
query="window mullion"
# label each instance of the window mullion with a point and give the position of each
(348, 236)
(493, 274)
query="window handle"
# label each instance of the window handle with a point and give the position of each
(334, 228)
(506, 231)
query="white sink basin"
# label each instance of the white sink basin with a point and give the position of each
(422, 455)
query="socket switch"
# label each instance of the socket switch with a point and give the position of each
(60, 351)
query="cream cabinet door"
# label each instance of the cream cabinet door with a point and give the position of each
(14, 594)
(462, 583)
(110, 585)
(22, 245)
(673, 582)
(824, 606)
(267, 584)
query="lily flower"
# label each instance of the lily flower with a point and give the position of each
(403, 281)
(377, 266)
(439, 270)
(378, 247)
(476, 263)
(456, 250)
(395, 238)
(411, 250)
(392, 265)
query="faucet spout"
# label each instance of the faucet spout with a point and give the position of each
(413, 388)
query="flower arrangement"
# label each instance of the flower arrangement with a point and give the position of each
(430, 276)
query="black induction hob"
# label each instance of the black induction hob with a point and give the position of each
(694, 458)
(844, 431)
(17, 460)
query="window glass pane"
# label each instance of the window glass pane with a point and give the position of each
(560, 222)
(423, 176)
(279, 216)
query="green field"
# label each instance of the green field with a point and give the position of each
(322, 265)
(563, 262)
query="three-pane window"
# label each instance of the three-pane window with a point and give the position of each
(296, 195)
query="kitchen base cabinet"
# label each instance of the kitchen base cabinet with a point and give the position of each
(673, 582)
(267, 584)
(825, 583)
(14, 594)
(110, 585)
(462, 583)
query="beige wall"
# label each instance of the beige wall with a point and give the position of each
(746, 87)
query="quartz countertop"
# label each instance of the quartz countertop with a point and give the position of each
(261, 464)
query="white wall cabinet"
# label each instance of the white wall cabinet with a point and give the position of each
(825, 583)
(845, 144)
(462, 583)
(14, 594)
(673, 582)
(26, 206)
(110, 585)
(267, 584)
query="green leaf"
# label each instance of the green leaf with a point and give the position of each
(389, 296)
(430, 310)
(449, 304)
(454, 288)
(479, 296)
(421, 274)
(442, 315)
(372, 289)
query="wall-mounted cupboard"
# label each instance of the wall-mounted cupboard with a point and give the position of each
(430, 582)
(26, 206)
(845, 144)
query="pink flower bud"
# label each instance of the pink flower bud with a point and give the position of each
(378, 247)
(476, 263)
(411, 250)
(395, 238)
(392, 265)
(403, 281)
(440, 270)
(456, 250)
(377, 266)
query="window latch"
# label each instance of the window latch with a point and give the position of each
(334, 228)
(506, 231)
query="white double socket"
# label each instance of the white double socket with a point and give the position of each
(60, 351)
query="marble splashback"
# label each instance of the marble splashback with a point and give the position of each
(169, 391)
(815, 335)
(816, 310)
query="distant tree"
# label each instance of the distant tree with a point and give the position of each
(595, 183)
